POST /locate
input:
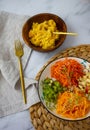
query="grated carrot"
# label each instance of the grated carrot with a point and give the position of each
(72, 105)
(67, 71)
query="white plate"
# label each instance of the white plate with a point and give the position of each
(46, 73)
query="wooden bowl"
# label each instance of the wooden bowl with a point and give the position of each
(39, 18)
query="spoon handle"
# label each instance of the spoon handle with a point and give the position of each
(66, 33)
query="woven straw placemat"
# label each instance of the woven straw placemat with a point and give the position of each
(41, 118)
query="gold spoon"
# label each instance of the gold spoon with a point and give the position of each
(66, 33)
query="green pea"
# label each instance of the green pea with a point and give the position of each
(56, 83)
(55, 88)
(47, 80)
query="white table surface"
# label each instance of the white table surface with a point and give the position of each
(75, 13)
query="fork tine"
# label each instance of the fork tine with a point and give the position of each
(18, 48)
(18, 44)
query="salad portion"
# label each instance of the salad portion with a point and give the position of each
(67, 91)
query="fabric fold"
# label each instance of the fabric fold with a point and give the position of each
(10, 30)
(11, 100)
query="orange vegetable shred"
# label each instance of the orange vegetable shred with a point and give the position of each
(72, 105)
(67, 71)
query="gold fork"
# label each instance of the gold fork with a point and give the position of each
(19, 53)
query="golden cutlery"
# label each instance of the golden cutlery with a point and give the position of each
(66, 33)
(19, 53)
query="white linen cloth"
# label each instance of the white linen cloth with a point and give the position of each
(11, 100)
